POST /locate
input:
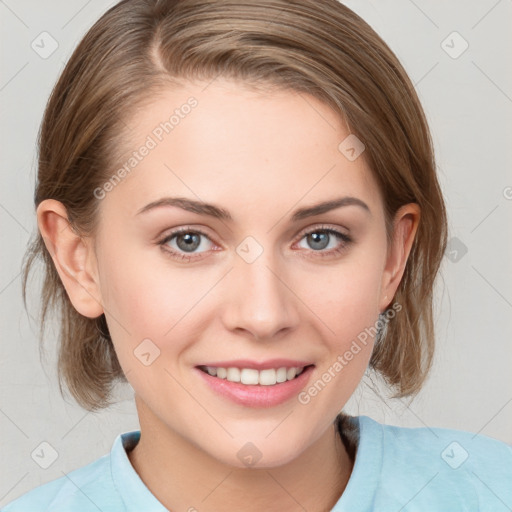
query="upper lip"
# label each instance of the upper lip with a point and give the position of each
(259, 365)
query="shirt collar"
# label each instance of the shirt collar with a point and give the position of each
(134, 493)
(358, 494)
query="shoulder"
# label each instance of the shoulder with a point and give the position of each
(444, 466)
(455, 448)
(85, 489)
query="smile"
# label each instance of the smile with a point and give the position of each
(253, 377)
(253, 384)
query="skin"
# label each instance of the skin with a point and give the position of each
(259, 156)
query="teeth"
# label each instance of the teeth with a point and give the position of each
(268, 377)
(233, 374)
(281, 375)
(250, 376)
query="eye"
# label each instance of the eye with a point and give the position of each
(186, 240)
(182, 243)
(322, 237)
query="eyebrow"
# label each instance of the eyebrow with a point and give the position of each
(211, 210)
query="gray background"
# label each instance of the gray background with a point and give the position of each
(468, 101)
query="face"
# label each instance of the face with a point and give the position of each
(262, 286)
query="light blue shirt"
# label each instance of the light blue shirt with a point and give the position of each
(395, 469)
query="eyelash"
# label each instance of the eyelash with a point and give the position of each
(347, 240)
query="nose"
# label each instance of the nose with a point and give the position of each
(261, 301)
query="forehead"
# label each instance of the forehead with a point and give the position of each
(226, 142)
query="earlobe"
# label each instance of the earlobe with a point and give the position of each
(405, 228)
(73, 257)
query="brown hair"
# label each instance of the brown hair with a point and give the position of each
(319, 47)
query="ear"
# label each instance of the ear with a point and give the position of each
(405, 225)
(73, 257)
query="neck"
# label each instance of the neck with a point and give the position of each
(184, 477)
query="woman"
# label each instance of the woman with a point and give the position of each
(239, 214)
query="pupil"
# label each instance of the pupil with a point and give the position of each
(190, 242)
(316, 239)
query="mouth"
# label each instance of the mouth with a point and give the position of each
(256, 385)
(253, 376)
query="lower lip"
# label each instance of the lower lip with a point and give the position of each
(257, 395)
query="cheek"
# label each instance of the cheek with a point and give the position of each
(347, 312)
(346, 296)
(346, 302)
(146, 298)
(135, 286)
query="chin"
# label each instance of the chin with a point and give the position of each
(258, 454)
